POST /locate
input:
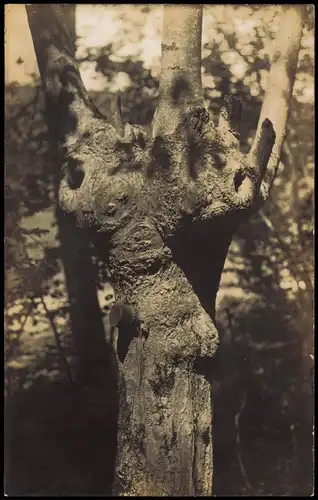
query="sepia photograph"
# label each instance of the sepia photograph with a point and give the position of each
(159, 250)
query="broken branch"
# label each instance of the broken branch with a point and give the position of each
(261, 152)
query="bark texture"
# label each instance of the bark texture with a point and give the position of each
(167, 207)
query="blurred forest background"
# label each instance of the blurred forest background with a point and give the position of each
(57, 435)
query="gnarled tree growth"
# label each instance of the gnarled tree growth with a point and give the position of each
(167, 207)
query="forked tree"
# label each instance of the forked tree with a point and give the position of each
(167, 207)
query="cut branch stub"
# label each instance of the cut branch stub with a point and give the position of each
(231, 114)
(122, 315)
(261, 152)
(116, 114)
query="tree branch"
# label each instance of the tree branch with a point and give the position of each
(274, 114)
(180, 79)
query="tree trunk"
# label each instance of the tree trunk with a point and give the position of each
(165, 442)
(92, 354)
(167, 207)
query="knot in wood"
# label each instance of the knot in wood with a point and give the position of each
(110, 209)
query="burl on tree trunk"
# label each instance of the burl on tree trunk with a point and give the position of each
(168, 206)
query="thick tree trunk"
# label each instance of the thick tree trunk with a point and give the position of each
(165, 442)
(168, 207)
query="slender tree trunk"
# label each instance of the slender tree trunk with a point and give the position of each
(92, 354)
(168, 207)
(180, 79)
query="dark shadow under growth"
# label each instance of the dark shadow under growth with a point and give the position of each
(60, 439)
(261, 425)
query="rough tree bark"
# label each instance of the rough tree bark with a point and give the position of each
(168, 206)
